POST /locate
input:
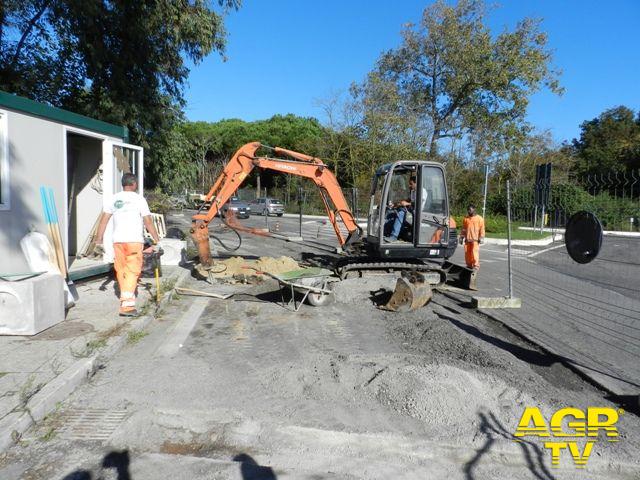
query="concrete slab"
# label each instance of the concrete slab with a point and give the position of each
(496, 302)
(30, 306)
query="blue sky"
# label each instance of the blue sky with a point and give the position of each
(285, 55)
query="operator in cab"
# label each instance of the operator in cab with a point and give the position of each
(398, 215)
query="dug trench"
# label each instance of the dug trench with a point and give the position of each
(342, 391)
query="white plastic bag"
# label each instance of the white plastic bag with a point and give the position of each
(41, 257)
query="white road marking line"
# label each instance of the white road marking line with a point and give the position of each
(493, 251)
(518, 251)
(546, 250)
(177, 335)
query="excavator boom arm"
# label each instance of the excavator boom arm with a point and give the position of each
(243, 162)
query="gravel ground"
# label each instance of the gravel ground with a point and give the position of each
(343, 391)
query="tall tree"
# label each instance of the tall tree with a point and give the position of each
(121, 61)
(451, 77)
(609, 142)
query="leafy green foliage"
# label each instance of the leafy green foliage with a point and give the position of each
(208, 146)
(609, 142)
(615, 213)
(451, 77)
(565, 199)
(123, 62)
(158, 201)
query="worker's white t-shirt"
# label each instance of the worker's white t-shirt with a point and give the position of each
(127, 209)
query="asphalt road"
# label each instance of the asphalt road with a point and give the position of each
(246, 389)
(616, 268)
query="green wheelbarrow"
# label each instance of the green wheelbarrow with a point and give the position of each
(313, 283)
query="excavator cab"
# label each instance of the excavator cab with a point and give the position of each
(409, 212)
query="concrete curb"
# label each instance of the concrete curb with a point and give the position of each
(524, 243)
(13, 425)
(612, 233)
(483, 303)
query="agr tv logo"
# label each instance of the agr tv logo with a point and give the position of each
(568, 423)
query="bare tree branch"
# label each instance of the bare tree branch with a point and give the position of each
(32, 23)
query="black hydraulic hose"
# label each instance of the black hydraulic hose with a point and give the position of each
(227, 248)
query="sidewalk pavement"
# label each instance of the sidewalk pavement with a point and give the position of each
(38, 372)
(592, 328)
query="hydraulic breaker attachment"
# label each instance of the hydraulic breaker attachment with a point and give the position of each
(412, 292)
(200, 235)
(460, 276)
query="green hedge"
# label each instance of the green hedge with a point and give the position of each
(492, 223)
(565, 200)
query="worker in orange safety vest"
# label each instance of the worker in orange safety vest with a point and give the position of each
(472, 235)
(437, 235)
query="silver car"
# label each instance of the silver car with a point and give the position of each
(267, 206)
(239, 208)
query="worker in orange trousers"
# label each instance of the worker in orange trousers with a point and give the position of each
(472, 235)
(129, 211)
(437, 235)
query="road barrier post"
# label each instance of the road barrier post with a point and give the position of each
(300, 207)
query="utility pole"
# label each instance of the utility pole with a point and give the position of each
(258, 186)
(509, 239)
(300, 208)
(486, 186)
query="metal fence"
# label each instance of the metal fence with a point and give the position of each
(614, 199)
(588, 314)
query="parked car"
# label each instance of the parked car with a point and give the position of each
(240, 208)
(267, 206)
(197, 200)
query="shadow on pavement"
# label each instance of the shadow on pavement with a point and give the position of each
(380, 297)
(493, 430)
(250, 469)
(525, 354)
(118, 460)
(319, 259)
(631, 403)
(543, 359)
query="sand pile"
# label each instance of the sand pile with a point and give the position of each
(241, 269)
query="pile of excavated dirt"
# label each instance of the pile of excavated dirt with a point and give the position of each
(240, 269)
(449, 401)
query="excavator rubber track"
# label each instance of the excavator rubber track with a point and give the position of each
(433, 275)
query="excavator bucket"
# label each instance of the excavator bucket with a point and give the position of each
(412, 292)
(460, 276)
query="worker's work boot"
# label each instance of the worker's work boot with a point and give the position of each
(128, 305)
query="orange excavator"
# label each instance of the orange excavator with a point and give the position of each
(414, 240)
(239, 167)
